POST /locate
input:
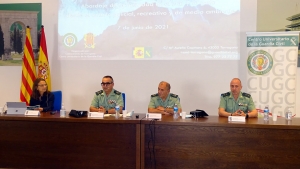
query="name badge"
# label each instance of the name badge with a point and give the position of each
(154, 116)
(95, 115)
(236, 119)
(32, 113)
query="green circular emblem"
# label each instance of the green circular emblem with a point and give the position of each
(70, 40)
(260, 62)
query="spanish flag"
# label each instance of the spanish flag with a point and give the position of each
(28, 70)
(43, 67)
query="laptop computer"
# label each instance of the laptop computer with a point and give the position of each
(16, 107)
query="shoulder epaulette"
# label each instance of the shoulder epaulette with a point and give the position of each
(173, 95)
(154, 95)
(99, 92)
(117, 92)
(246, 95)
(225, 94)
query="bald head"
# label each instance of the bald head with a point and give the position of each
(168, 86)
(236, 80)
(163, 89)
(235, 86)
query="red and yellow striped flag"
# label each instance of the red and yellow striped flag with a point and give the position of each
(43, 67)
(28, 70)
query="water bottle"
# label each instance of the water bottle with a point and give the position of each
(62, 111)
(117, 108)
(288, 115)
(175, 115)
(266, 113)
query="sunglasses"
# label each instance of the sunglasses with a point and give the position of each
(106, 84)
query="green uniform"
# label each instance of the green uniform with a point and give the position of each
(244, 102)
(170, 101)
(108, 102)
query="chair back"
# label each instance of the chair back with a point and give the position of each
(57, 100)
(124, 100)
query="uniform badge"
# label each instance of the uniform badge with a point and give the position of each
(112, 101)
(242, 104)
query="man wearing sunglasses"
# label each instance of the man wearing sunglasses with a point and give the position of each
(163, 101)
(106, 99)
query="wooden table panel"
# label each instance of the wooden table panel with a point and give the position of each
(213, 142)
(53, 142)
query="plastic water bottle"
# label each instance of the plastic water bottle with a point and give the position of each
(266, 113)
(175, 115)
(288, 115)
(117, 108)
(62, 111)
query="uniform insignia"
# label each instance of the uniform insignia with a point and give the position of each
(242, 104)
(154, 95)
(225, 94)
(99, 92)
(246, 95)
(117, 92)
(173, 95)
(112, 101)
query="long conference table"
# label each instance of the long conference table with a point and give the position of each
(49, 141)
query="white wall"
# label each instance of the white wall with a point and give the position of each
(198, 83)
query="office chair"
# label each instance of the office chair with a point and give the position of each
(57, 100)
(124, 98)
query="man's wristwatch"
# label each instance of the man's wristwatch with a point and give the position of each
(106, 112)
(247, 116)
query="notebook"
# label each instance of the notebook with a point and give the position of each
(16, 107)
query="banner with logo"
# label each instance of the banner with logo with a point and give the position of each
(272, 67)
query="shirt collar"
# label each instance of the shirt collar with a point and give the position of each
(240, 95)
(110, 94)
(166, 98)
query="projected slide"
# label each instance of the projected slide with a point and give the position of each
(149, 29)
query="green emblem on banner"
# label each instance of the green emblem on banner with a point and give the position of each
(260, 62)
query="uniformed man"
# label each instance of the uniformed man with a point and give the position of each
(105, 100)
(237, 103)
(163, 102)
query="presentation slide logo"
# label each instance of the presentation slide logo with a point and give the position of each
(142, 52)
(70, 40)
(89, 40)
(260, 62)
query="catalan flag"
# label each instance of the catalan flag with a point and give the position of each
(28, 69)
(43, 66)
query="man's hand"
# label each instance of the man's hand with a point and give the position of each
(170, 111)
(239, 113)
(165, 111)
(102, 109)
(160, 108)
(242, 113)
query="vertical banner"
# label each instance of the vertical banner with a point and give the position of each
(272, 67)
